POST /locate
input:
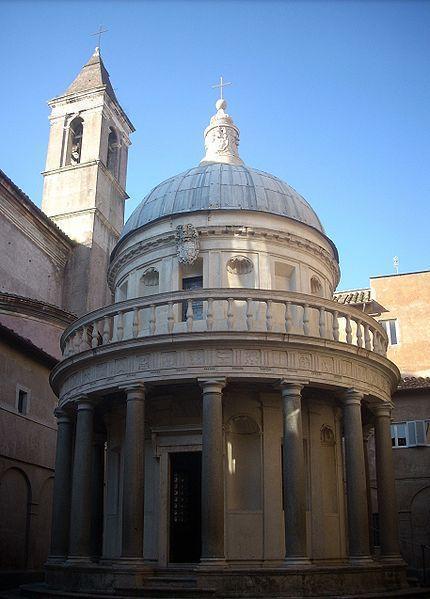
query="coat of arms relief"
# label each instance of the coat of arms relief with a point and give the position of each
(187, 243)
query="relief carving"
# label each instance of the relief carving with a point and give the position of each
(187, 243)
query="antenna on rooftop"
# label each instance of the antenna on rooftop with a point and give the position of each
(396, 264)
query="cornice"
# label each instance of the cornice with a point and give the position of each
(10, 302)
(162, 240)
(39, 228)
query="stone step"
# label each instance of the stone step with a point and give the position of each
(173, 592)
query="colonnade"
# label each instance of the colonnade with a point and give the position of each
(78, 489)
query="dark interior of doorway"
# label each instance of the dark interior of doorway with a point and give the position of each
(185, 506)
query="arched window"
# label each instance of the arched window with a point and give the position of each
(113, 152)
(74, 147)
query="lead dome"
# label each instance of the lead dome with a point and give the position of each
(222, 182)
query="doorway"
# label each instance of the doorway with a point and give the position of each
(185, 506)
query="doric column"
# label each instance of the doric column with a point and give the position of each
(134, 474)
(386, 487)
(366, 435)
(212, 472)
(62, 487)
(294, 475)
(80, 518)
(97, 488)
(358, 522)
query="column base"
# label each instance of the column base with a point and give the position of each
(78, 560)
(296, 562)
(136, 563)
(55, 560)
(212, 563)
(361, 560)
(392, 558)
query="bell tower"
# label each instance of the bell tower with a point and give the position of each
(84, 180)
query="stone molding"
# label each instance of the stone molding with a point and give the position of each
(252, 358)
(138, 249)
(39, 309)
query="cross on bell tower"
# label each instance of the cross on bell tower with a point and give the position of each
(221, 85)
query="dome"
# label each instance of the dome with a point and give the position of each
(221, 186)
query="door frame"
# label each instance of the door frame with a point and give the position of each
(169, 440)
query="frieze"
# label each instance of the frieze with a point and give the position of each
(258, 363)
(142, 247)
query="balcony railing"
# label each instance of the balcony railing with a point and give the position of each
(224, 310)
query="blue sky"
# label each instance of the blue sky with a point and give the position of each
(333, 97)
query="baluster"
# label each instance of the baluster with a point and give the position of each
(336, 325)
(152, 320)
(106, 330)
(348, 329)
(95, 335)
(77, 341)
(135, 328)
(249, 313)
(367, 340)
(230, 313)
(359, 333)
(120, 326)
(210, 314)
(322, 322)
(269, 324)
(306, 319)
(288, 317)
(190, 315)
(85, 343)
(170, 318)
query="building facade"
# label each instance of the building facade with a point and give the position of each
(210, 419)
(52, 269)
(401, 303)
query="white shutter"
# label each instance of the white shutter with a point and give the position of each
(421, 433)
(412, 437)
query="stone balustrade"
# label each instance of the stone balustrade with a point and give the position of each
(224, 310)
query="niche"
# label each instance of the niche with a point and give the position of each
(284, 277)
(316, 287)
(240, 272)
(149, 282)
(244, 464)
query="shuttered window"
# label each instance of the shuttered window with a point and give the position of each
(412, 433)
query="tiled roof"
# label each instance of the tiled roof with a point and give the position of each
(414, 382)
(27, 346)
(92, 75)
(355, 296)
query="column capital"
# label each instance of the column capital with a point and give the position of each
(212, 385)
(134, 391)
(62, 416)
(289, 388)
(381, 410)
(83, 402)
(352, 396)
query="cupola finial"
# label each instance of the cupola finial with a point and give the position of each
(222, 135)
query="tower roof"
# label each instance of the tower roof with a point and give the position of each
(92, 76)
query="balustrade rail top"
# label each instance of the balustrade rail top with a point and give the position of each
(239, 294)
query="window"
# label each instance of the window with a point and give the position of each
(74, 147)
(390, 327)
(410, 434)
(193, 283)
(113, 152)
(122, 292)
(22, 400)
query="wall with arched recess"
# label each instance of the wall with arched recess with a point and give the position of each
(15, 499)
